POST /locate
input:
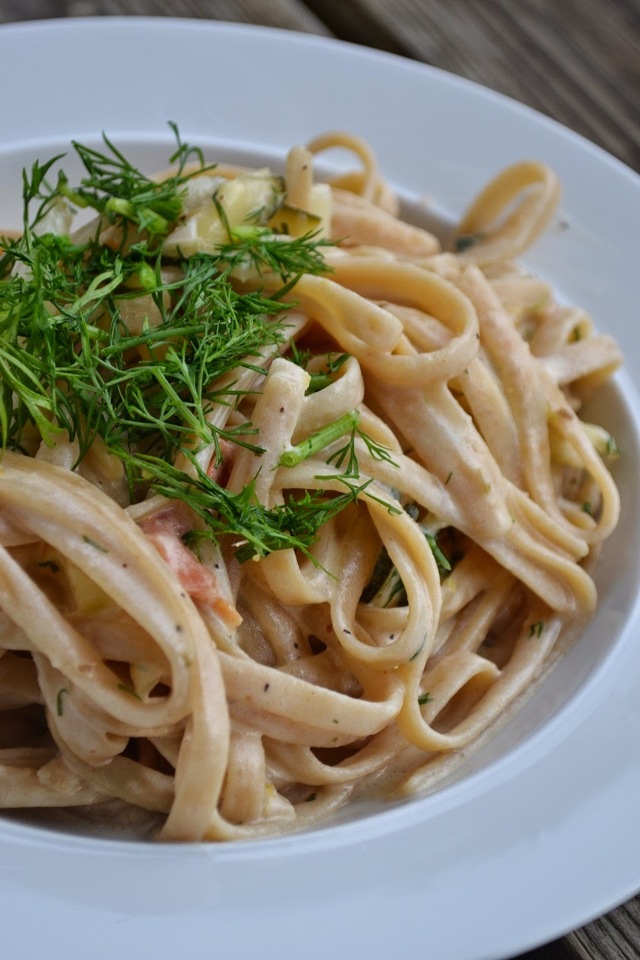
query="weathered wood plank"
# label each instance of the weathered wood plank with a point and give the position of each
(613, 937)
(287, 14)
(577, 61)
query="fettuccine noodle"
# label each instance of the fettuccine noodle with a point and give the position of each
(203, 697)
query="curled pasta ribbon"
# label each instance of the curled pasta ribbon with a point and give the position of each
(532, 395)
(345, 306)
(417, 570)
(90, 530)
(366, 182)
(483, 238)
(463, 676)
(422, 404)
(299, 177)
(364, 210)
(480, 501)
(355, 223)
(342, 585)
(292, 760)
(575, 356)
(35, 778)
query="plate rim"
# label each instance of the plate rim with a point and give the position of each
(79, 25)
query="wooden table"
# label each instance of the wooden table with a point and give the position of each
(575, 60)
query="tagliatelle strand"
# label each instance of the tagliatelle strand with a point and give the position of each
(295, 505)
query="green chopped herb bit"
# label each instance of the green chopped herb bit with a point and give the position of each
(265, 251)
(466, 240)
(319, 440)
(424, 698)
(50, 565)
(127, 689)
(536, 629)
(612, 450)
(59, 701)
(94, 544)
(587, 508)
(66, 350)
(117, 189)
(376, 450)
(379, 586)
(418, 652)
(443, 564)
(347, 456)
(258, 530)
(385, 587)
(321, 378)
(324, 378)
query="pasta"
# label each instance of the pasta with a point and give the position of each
(294, 503)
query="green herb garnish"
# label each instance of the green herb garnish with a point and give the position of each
(71, 365)
(466, 240)
(60, 701)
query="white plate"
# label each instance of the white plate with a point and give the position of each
(543, 832)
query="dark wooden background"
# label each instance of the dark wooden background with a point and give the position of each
(577, 61)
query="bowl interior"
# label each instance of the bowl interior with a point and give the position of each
(575, 675)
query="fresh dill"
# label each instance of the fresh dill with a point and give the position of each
(113, 186)
(442, 562)
(71, 364)
(62, 692)
(347, 455)
(466, 240)
(385, 587)
(93, 543)
(256, 530)
(321, 378)
(347, 423)
(260, 250)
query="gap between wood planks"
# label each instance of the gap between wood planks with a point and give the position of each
(355, 22)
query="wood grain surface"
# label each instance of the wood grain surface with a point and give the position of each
(577, 61)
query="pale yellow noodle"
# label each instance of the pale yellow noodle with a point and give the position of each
(368, 666)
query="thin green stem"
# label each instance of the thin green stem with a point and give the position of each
(320, 439)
